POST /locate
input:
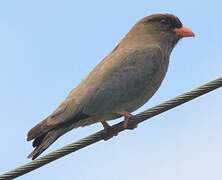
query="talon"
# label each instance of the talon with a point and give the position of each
(106, 130)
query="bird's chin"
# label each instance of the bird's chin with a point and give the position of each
(176, 39)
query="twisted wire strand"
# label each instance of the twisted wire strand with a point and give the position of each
(165, 106)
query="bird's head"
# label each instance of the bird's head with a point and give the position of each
(165, 26)
(164, 29)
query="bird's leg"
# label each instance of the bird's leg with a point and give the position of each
(106, 127)
(126, 115)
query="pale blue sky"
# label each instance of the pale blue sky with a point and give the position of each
(47, 47)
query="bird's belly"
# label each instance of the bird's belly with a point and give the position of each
(135, 100)
(148, 91)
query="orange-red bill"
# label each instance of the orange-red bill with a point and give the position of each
(184, 32)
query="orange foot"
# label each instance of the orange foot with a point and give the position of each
(126, 115)
(106, 130)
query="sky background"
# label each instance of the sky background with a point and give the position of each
(48, 47)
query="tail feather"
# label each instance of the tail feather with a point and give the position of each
(38, 130)
(49, 123)
(38, 140)
(45, 133)
(41, 143)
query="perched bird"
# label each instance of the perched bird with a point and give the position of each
(121, 83)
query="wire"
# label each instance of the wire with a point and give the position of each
(165, 106)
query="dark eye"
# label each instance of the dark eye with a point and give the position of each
(163, 21)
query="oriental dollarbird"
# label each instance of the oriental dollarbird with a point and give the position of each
(121, 83)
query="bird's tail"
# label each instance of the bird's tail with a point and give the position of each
(42, 142)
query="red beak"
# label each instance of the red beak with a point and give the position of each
(184, 32)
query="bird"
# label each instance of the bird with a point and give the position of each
(120, 84)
